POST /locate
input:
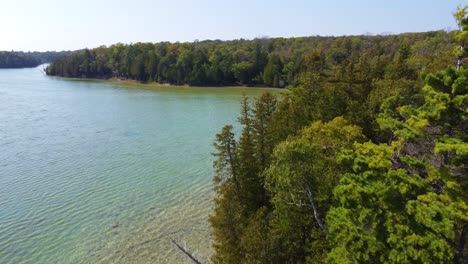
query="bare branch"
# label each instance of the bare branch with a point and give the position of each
(185, 252)
(311, 205)
(314, 208)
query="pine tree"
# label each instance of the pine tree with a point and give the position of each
(227, 218)
(404, 201)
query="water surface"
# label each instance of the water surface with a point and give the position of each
(94, 172)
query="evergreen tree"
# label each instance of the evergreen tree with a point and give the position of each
(404, 201)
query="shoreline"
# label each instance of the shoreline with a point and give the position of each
(154, 85)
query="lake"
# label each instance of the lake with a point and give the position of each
(97, 172)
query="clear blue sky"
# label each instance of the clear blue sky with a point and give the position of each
(67, 25)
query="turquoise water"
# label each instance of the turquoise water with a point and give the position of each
(91, 172)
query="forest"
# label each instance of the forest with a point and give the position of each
(19, 59)
(364, 161)
(275, 62)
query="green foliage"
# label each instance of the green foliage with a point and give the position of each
(272, 74)
(299, 186)
(227, 223)
(225, 163)
(227, 220)
(239, 184)
(363, 161)
(461, 15)
(19, 59)
(404, 202)
(388, 210)
(274, 62)
(254, 241)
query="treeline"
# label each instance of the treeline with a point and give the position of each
(273, 62)
(19, 59)
(367, 168)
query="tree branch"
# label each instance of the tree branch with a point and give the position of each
(311, 205)
(314, 208)
(185, 252)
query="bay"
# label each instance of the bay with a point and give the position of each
(97, 172)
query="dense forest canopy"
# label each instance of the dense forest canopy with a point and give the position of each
(19, 59)
(275, 62)
(364, 161)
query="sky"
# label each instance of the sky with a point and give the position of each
(40, 25)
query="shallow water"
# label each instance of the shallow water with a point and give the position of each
(94, 172)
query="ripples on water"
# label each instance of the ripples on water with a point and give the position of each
(94, 173)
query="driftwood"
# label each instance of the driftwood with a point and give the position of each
(185, 252)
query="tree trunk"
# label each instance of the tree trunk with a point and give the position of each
(461, 246)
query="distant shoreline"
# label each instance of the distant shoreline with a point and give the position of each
(134, 82)
(155, 85)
